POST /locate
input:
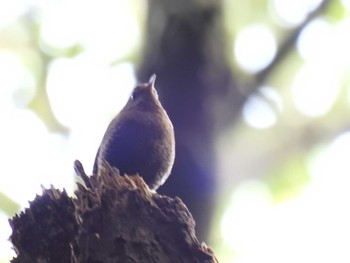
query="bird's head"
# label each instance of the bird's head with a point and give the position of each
(145, 91)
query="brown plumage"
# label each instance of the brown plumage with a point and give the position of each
(140, 139)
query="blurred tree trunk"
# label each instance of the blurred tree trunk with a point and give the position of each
(185, 47)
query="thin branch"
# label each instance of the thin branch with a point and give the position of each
(286, 47)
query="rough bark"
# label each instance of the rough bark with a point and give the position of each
(113, 218)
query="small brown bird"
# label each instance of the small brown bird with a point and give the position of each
(140, 139)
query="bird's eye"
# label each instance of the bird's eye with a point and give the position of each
(135, 94)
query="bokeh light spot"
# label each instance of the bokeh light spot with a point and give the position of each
(18, 85)
(331, 166)
(82, 89)
(30, 156)
(105, 28)
(255, 47)
(314, 41)
(346, 4)
(10, 11)
(291, 12)
(260, 111)
(315, 89)
(239, 225)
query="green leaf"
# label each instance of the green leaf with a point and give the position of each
(7, 205)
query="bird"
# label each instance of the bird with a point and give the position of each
(140, 139)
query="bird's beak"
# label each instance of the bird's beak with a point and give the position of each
(152, 80)
(150, 84)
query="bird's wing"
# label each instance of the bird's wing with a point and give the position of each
(125, 145)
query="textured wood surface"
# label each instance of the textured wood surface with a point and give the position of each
(113, 218)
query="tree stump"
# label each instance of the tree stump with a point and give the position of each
(112, 218)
